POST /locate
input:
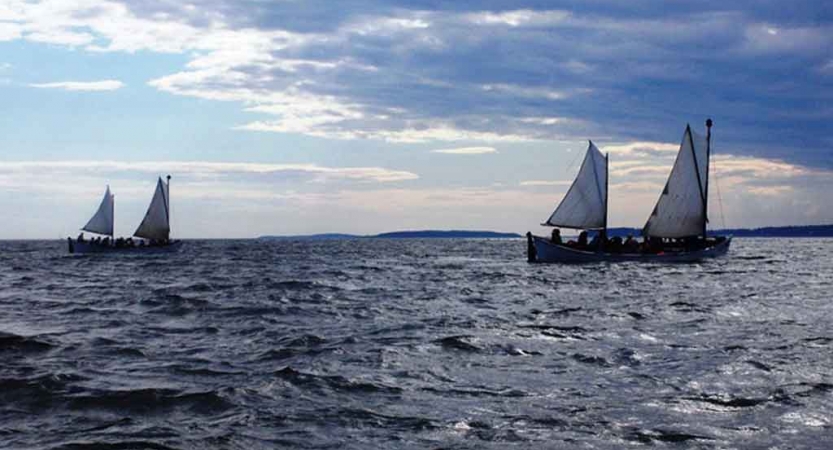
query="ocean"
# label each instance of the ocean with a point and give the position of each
(413, 344)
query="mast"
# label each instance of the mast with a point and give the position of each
(113, 227)
(168, 205)
(607, 192)
(706, 184)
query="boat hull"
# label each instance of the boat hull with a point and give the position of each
(76, 247)
(542, 250)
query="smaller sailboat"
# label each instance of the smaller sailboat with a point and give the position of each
(153, 233)
(675, 231)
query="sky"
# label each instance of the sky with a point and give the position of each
(364, 116)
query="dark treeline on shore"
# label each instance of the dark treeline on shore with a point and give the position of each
(789, 231)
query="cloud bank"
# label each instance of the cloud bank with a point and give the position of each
(89, 86)
(466, 150)
(409, 72)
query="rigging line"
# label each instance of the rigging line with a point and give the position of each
(575, 158)
(719, 197)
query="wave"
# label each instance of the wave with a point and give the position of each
(27, 344)
(332, 382)
(652, 436)
(119, 445)
(458, 343)
(149, 401)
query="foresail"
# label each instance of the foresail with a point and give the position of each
(102, 220)
(156, 224)
(680, 210)
(584, 205)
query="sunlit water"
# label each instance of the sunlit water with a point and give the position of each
(413, 344)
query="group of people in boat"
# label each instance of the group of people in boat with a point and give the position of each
(120, 242)
(600, 242)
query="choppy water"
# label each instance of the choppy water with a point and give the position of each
(413, 344)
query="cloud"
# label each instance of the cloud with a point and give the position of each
(466, 150)
(87, 86)
(516, 18)
(204, 169)
(522, 91)
(419, 72)
(10, 31)
(545, 183)
(642, 148)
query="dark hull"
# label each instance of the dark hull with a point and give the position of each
(544, 251)
(86, 248)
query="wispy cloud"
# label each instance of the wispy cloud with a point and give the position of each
(472, 72)
(88, 86)
(545, 183)
(466, 150)
(643, 148)
(202, 169)
(517, 18)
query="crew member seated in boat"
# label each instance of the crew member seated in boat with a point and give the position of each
(582, 239)
(653, 244)
(81, 238)
(596, 242)
(630, 245)
(556, 236)
(615, 245)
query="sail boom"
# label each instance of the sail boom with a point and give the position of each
(570, 227)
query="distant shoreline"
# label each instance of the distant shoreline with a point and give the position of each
(416, 234)
(808, 231)
(799, 231)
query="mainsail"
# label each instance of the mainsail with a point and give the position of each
(156, 224)
(585, 204)
(102, 220)
(681, 208)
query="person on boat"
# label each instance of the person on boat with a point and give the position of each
(81, 238)
(615, 245)
(653, 244)
(556, 236)
(531, 253)
(582, 239)
(630, 245)
(596, 242)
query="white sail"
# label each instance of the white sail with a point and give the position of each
(156, 223)
(585, 204)
(102, 220)
(681, 208)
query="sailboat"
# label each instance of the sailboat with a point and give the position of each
(155, 228)
(674, 232)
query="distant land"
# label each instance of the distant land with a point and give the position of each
(790, 231)
(419, 234)
(774, 232)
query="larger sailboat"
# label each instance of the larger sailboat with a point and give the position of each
(675, 231)
(154, 231)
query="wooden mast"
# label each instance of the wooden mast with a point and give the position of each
(706, 184)
(607, 194)
(113, 224)
(168, 206)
